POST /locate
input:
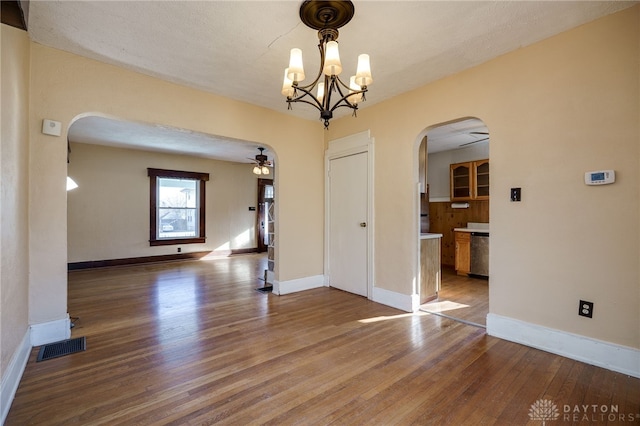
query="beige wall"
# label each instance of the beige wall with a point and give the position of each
(66, 86)
(14, 229)
(555, 110)
(108, 214)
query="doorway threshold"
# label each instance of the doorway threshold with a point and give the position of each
(440, 314)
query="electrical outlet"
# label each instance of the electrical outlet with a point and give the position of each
(516, 194)
(585, 309)
(179, 249)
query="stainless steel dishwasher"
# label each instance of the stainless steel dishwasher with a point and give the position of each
(480, 254)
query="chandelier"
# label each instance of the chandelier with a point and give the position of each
(262, 163)
(331, 91)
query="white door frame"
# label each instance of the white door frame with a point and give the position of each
(349, 145)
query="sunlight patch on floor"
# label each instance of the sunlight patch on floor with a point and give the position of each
(391, 317)
(445, 305)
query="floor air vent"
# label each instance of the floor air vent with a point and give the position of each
(65, 347)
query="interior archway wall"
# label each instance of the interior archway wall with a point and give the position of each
(555, 112)
(66, 85)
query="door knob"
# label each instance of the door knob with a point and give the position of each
(363, 224)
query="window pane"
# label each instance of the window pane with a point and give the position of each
(177, 192)
(268, 191)
(177, 208)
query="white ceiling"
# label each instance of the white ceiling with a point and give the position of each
(456, 135)
(161, 138)
(239, 49)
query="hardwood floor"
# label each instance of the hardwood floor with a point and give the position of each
(193, 343)
(463, 298)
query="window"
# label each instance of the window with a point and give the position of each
(177, 201)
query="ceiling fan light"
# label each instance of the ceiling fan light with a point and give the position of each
(363, 73)
(257, 170)
(296, 67)
(265, 170)
(332, 65)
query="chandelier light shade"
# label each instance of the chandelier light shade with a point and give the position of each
(363, 72)
(353, 88)
(326, 16)
(320, 96)
(287, 88)
(332, 65)
(296, 67)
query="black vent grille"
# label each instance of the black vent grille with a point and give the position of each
(62, 348)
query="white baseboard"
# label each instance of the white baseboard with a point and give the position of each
(299, 284)
(49, 332)
(271, 276)
(404, 302)
(415, 302)
(607, 355)
(13, 374)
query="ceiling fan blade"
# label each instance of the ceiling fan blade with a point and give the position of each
(471, 143)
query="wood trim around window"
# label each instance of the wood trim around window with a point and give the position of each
(154, 174)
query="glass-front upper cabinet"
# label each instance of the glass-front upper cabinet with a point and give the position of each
(470, 180)
(460, 181)
(481, 177)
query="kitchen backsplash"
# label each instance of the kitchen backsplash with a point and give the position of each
(443, 219)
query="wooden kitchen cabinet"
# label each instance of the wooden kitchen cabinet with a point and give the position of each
(480, 180)
(463, 253)
(430, 273)
(460, 181)
(469, 180)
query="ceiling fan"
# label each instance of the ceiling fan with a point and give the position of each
(478, 140)
(262, 163)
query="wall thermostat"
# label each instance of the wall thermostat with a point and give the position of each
(600, 177)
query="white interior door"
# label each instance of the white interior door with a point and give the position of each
(348, 235)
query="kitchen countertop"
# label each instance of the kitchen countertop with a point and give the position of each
(429, 236)
(471, 230)
(474, 227)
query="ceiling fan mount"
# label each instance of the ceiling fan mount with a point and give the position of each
(261, 159)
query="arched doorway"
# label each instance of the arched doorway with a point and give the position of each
(448, 154)
(108, 214)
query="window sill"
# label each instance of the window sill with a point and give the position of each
(174, 241)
